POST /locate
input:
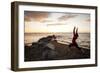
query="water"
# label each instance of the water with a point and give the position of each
(66, 38)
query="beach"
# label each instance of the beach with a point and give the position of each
(62, 52)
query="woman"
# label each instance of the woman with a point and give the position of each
(75, 36)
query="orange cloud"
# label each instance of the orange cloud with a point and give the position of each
(35, 16)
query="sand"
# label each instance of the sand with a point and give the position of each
(63, 51)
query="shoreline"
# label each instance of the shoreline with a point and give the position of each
(61, 42)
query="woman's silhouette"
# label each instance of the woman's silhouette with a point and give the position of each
(75, 36)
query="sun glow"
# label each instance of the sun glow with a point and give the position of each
(55, 22)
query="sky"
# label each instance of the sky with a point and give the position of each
(52, 22)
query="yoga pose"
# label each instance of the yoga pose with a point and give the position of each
(75, 36)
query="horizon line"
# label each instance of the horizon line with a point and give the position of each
(55, 32)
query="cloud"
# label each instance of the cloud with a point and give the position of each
(47, 20)
(56, 23)
(87, 20)
(35, 16)
(67, 16)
